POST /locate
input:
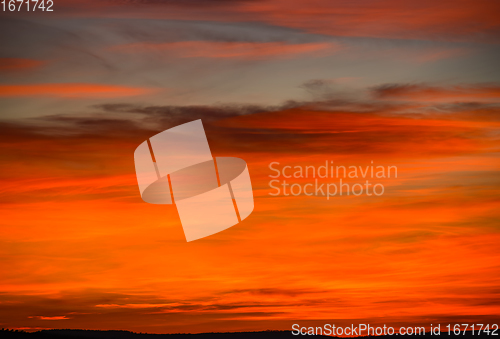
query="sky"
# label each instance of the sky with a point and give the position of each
(414, 85)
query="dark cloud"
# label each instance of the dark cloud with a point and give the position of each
(387, 90)
(348, 126)
(169, 116)
(319, 88)
(101, 143)
(287, 292)
(110, 310)
(96, 309)
(424, 91)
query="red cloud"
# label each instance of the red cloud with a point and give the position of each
(463, 20)
(41, 317)
(425, 19)
(19, 64)
(218, 49)
(71, 90)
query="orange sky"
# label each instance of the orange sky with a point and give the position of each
(81, 250)
(271, 83)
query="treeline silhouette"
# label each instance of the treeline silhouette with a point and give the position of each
(95, 334)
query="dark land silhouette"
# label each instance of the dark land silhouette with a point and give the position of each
(93, 334)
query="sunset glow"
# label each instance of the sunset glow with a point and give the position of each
(302, 83)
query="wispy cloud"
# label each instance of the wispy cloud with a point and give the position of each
(19, 64)
(424, 92)
(41, 317)
(238, 50)
(72, 90)
(444, 20)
